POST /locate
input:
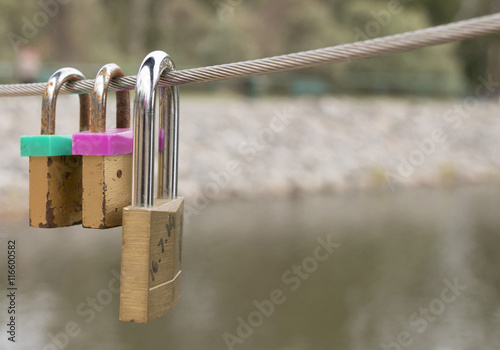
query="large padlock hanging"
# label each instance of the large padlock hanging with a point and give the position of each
(55, 194)
(106, 156)
(152, 231)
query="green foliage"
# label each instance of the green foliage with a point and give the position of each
(430, 69)
(199, 33)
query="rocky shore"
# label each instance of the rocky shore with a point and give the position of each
(232, 146)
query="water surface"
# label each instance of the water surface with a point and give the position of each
(383, 280)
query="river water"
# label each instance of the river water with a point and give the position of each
(414, 269)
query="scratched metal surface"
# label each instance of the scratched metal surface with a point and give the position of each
(419, 267)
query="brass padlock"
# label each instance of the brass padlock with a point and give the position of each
(152, 232)
(106, 156)
(55, 195)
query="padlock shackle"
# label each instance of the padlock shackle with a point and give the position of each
(148, 78)
(56, 81)
(100, 96)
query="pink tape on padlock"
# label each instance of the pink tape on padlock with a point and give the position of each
(110, 143)
(161, 139)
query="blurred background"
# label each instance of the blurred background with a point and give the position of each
(199, 33)
(394, 159)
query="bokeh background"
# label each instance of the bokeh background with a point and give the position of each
(199, 33)
(394, 159)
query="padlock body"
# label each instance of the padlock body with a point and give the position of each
(55, 194)
(107, 189)
(107, 175)
(151, 260)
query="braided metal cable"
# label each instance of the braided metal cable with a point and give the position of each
(448, 33)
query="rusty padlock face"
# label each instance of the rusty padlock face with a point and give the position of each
(152, 229)
(55, 195)
(106, 156)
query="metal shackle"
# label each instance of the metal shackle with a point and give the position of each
(148, 78)
(100, 96)
(56, 81)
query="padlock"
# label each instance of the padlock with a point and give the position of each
(152, 230)
(106, 156)
(55, 194)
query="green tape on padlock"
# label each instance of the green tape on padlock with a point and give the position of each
(46, 145)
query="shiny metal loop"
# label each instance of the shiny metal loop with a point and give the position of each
(144, 108)
(56, 81)
(100, 96)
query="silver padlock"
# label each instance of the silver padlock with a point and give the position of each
(152, 229)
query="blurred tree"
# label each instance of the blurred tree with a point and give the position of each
(185, 29)
(199, 33)
(140, 11)
(426, 70)
(477, 61)
(440, 12)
